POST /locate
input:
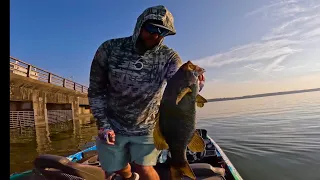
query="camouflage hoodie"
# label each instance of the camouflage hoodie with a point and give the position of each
(126, 87)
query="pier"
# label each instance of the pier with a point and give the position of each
(39, 97)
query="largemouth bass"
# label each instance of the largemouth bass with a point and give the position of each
(175, 128)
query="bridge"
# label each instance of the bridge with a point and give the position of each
(39, 97)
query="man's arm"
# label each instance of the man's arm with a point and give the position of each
(98, 86)
(173, 66)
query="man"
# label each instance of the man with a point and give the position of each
(126, 82)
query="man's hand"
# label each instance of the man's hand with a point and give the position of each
(107, 135)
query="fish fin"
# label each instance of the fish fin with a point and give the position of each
(200, 101)
(179, 172)
(182, 94)
(190, 66)
(197, 143)
(200, 105)
(159, 141)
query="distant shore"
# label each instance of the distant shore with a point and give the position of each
(263, 95)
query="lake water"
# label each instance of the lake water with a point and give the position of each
(271, 138)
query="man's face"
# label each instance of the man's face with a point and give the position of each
(151, 35)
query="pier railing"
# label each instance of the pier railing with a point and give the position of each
(24, 69)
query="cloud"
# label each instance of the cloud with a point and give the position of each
(297, 25)
(275, 64)
(215, 80)
(297, 67)
(280, 8)
(255, 65)
(258, 71)
(235, 73)
(246, 82)
(279, 68)
(248, 87)
(272, 36)
(258, 51)
(311, 34)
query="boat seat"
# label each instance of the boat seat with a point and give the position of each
(93, 161)
(58, 167)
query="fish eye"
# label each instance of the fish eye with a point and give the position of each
(195, 73)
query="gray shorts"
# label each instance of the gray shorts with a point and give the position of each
(137, 149)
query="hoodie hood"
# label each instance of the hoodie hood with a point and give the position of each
(154, 13)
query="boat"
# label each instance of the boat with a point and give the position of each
(212, 164)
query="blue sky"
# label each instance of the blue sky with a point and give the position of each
(249, 47)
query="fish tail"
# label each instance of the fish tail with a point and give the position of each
(177, 173)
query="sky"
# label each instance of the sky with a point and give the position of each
(246, 48)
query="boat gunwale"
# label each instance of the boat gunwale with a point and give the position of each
(232, 169)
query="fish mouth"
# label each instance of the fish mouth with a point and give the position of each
(201, 74)
(201, 78)
(198, 72)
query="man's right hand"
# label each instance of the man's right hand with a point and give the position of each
(107, 135)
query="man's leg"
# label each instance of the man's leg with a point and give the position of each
(127, 174)
(144, 155)
(114, 158)
(146, 172)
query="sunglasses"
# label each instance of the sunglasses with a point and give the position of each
(156, 30)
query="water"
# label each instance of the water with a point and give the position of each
(271, 138)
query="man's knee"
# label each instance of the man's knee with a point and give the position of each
(142, 169)
(146, 172)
